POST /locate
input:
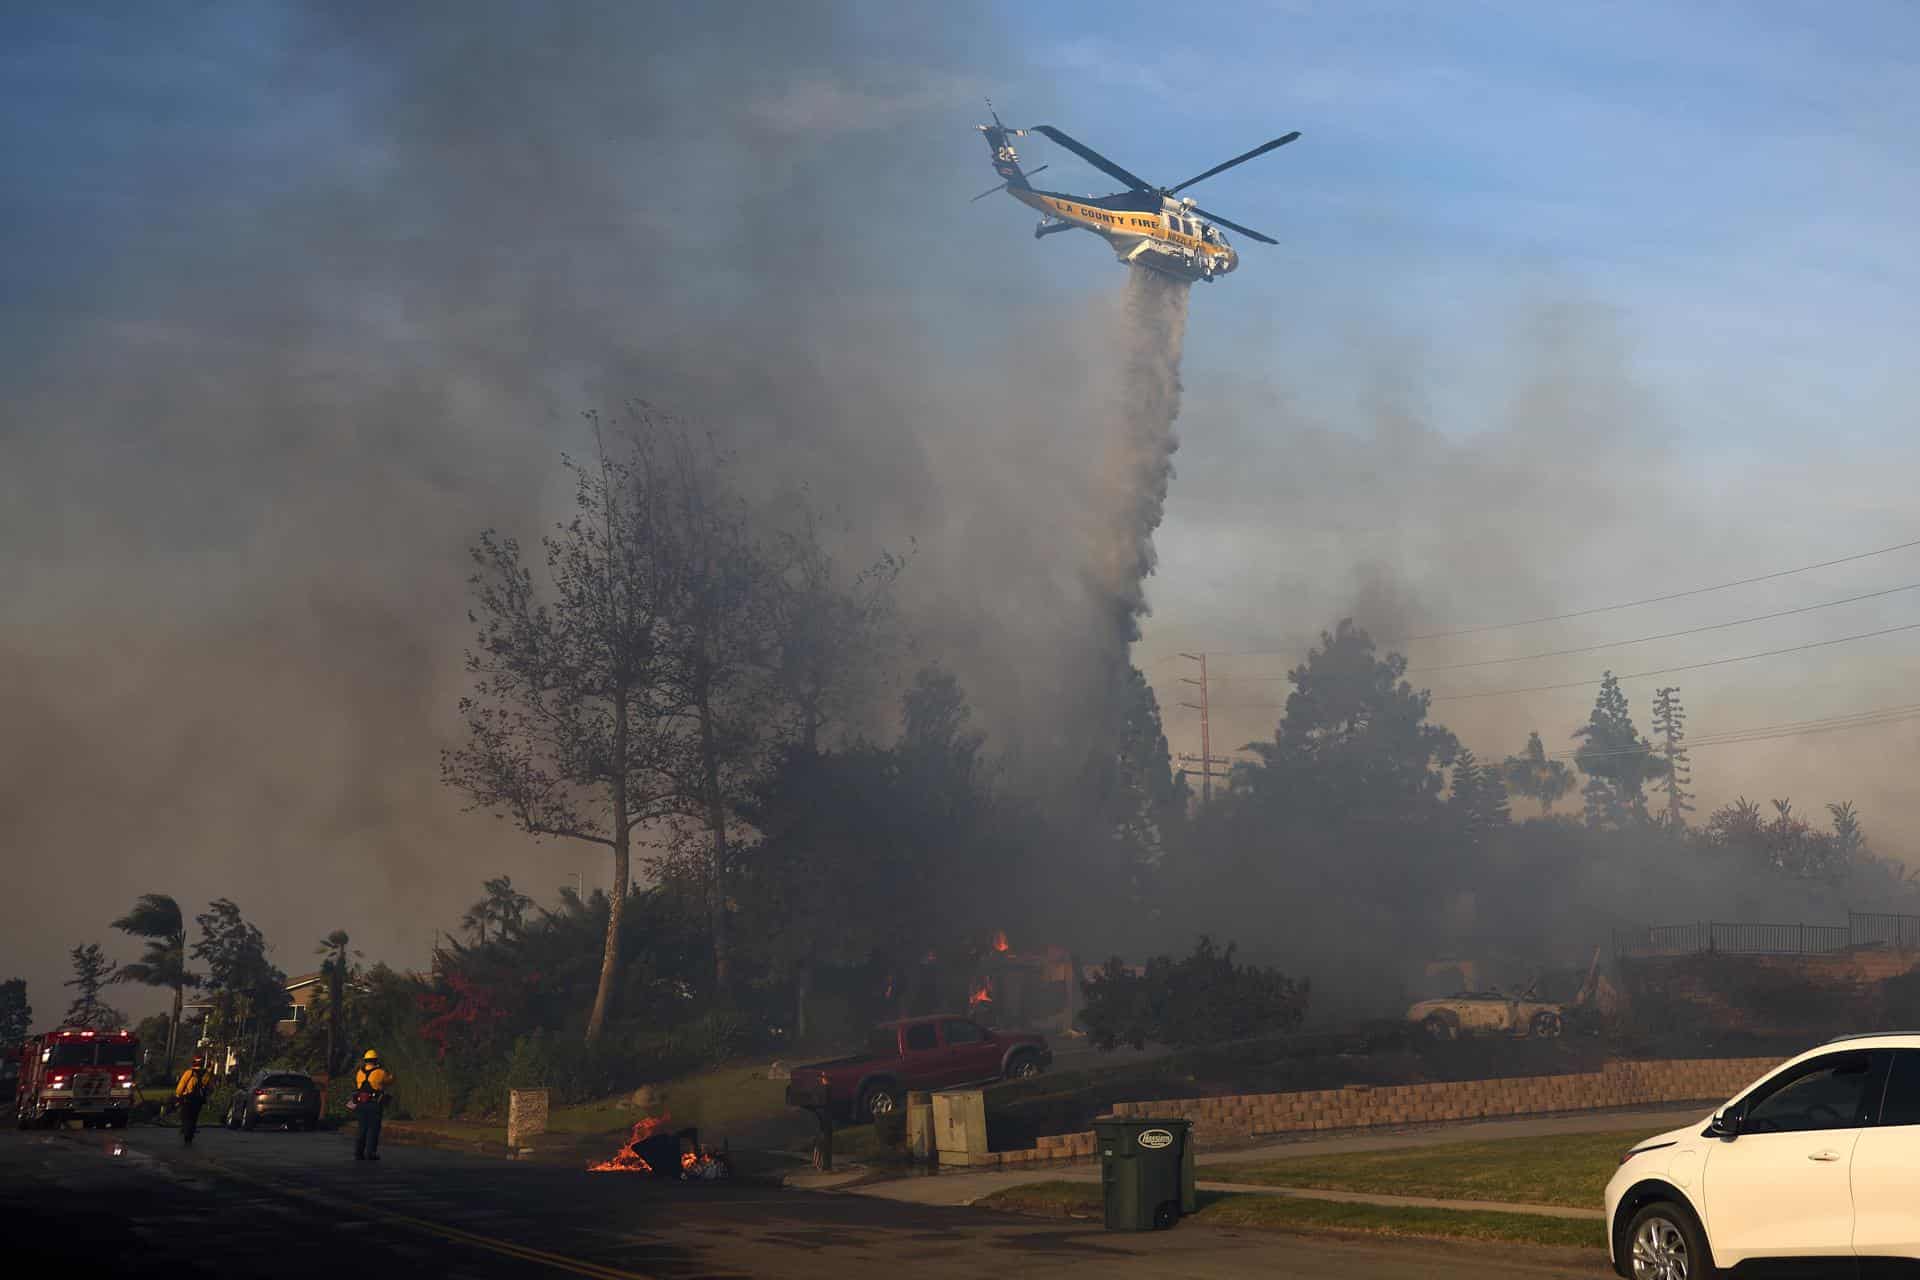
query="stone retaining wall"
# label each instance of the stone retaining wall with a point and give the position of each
(1617, 1084)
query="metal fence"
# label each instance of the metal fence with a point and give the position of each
(1884, 929)
(1861, 929)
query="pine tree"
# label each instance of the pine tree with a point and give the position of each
(1669, 719)
(1616, 760)
(1477, 798)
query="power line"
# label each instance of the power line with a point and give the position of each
(1608, 608)
(1768, 733)
(1672, 595)
(1667, 635)
(1636, 675)
(1690, 666)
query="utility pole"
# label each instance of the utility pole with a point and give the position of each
(1207, 760)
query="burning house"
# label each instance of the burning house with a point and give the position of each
(1036, 989)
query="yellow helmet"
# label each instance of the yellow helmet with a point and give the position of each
(370, 1056)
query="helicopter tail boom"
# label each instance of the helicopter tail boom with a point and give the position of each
(1006, 161)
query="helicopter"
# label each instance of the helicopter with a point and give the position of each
(1148, 226)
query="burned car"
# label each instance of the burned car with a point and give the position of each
(1470, 1013)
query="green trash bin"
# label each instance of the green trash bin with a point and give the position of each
(1146, 1172)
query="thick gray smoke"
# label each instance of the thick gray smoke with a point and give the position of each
(276, 361)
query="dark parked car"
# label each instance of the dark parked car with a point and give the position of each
(276, 1097)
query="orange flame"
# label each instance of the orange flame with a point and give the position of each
(1000, 940)
(982, 993)
(627, 1160)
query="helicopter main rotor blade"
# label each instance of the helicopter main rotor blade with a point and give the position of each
(1249, 232)
(1094, 158)
(1260, 150)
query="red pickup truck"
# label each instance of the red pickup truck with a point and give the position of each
(919, 1053)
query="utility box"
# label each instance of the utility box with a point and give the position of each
(960, 1125)
(526, 1116)
(920, 1144)
(1146, 1172)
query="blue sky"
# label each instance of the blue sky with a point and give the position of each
(1738, 179)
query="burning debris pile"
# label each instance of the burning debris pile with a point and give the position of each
(651, 1150)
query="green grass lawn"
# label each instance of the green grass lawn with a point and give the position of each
(1569, 1170)
(1280, 1213)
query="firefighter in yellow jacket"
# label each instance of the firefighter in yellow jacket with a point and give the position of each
(190, 1095)
(371, 1084)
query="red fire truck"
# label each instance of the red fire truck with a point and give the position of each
(72, 1074)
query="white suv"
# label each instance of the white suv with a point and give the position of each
(1820, 1158)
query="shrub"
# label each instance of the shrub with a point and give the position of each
(1202, 999)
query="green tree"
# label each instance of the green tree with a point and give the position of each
(16, 1015)
(569, 731)
(249, 992)
(1142, 803)
(156, 918)
(1616, 760)
(852, 839)
(1534, 777)
(1477, 800)
(1849, 837)
(504, 908)
(153, 1032)
(1669, 721)
(1355, 737)
(92, 971)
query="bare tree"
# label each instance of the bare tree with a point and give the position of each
(567, 728)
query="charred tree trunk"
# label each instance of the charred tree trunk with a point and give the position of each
(173, 1023)
(717, 830)
(336, 992)
(617, 902)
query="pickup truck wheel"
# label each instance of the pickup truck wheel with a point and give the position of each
(877, 1101)
(1025, 1066)
(1439, 1027)
(1545, 1025)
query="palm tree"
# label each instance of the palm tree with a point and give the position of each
(338, 969)
(156, 917)
(504, 906)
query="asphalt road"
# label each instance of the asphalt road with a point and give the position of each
(295, 1205)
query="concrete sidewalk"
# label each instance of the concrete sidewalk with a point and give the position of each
(965, 1188)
